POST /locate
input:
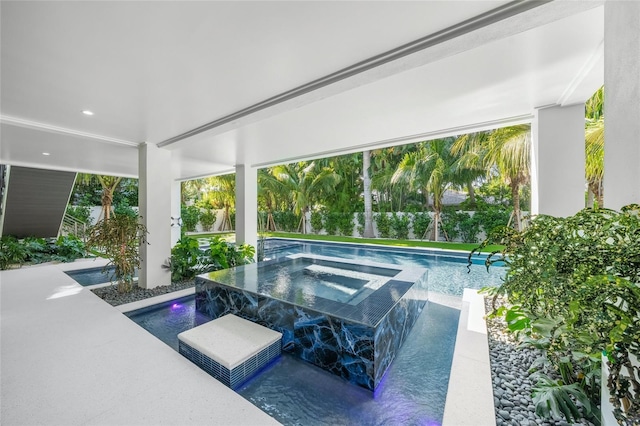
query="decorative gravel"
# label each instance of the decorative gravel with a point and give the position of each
(111, 295)
(511, 382)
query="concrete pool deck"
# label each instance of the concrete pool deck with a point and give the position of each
(69, 358)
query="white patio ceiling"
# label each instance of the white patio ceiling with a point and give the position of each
(151, 71)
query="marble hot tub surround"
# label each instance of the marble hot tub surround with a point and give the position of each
(347, 318)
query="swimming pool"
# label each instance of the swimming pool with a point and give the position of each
(93, 276)
(414, 388)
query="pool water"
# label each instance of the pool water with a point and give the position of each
(92, 276)
(448, 272)
(413, 391)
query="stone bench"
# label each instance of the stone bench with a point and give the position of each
(230, 348)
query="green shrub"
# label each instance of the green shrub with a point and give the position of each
(492, 216)
(69, 248)
(316, 221)
(331, 221)
(421, 222)
(11, 252)
(360, 226)
(190, 216)
(450, 221)
(286, 221)
(187, 260)
(81, 213)
(573, 285)
(38, 250)
(383, 223)
(124, 209)
(207, 219)
(400, 226)
(185, 256)
(345, 224)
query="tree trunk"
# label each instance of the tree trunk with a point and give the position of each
(515, 196)
(302, 226)
(472, 194)
(436, 223)
(368, 204)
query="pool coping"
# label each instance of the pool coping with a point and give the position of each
(128, 307)
(470, 393)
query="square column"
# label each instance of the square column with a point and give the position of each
(558, 161)
(176, 193)
(247, 205)
(621, 104)
(154, 200)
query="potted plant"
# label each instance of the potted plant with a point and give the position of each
(118, 239)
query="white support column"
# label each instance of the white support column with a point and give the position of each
(154, 197)
(621, 103)
(246, 205)
(557, 166)
(176, 193)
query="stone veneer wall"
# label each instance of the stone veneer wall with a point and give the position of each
(357, 352)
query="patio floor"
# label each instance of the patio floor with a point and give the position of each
(69, 358)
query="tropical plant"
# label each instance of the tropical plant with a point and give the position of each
(119, 239)
(207, 219)
(503, 153)
(431, 170)
(576, 282)
(109, 186)
(316, 221)
(383, 223)
(81, 213)
(345, 224)
(188, 260)
(594, 146)
(269, 192)
(38, 250)
(367, 232)
(69, 248)
(307, 182)
(124, 208)
(11, 252)
(400, 224)
(286, 220)
(221, 193)
(420, 225)
(185, 259)
(190, 216)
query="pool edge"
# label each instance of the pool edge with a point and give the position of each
(470, 392)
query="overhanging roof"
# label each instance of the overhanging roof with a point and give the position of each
(152, 71)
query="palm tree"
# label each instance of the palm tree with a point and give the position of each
(509, 150)
(368, 201)
(429, 169)
(307, 182)
(594, 147)
(268, 193)
(221, 192)
(109, 185)
(384, 164)
(469, 150)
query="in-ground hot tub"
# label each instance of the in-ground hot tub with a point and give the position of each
(347, 318)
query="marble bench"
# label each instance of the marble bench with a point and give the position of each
(230, 348)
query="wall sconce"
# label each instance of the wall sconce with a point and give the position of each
(176, 221)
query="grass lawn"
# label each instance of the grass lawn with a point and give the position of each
(230, 236)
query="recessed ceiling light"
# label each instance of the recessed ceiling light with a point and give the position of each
(46, 153)
(87, 112)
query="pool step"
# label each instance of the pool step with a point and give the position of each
(230, 348)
